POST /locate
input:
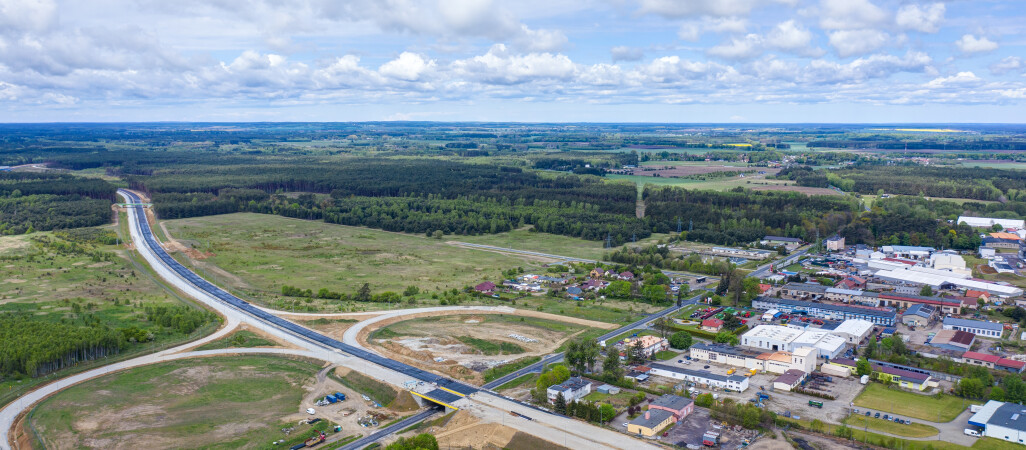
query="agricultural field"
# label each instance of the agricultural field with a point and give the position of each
(467, 345)
(715, 184)
(258, 254)
(937, 408)
(227, 402)
(553, 244)
(792, 188)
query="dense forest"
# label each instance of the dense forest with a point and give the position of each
(50, 201)
(931, 181)
(741, 216)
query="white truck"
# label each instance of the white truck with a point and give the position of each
(972, 432)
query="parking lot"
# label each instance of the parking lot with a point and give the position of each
(690, 430)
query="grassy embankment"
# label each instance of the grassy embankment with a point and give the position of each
(226, 402)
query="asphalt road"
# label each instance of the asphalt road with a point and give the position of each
(394, 428)
(763, 270)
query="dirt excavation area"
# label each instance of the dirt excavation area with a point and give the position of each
(463, 430)
(464, 346)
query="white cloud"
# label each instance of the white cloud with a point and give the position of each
(540, 40)
(960, 78)
(408, 66)
(857, 42)
(689, 32)
(862, 69)
(739, 48)
(692, 8)
(971, 44)
(850, 14)
(920, 18)
(625, 53)
(1009, 64)
(499, 66)
(673, 69)
(27, 15)
(727, 25)
(789, 36)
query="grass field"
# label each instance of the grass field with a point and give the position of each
(518, 381)
(261, 253)
(995, 165)
(880, 440)
(939, 408)
(554, 244)
(238, 339)
(915, 429)
(380, 392)
(490, 347)
(227, 402)
(500, 371)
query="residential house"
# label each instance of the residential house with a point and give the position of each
(574, 292)
(904, 378)
(626, 276)
(485, 288)
(651, 422)
(572, 389)
(597, 273)
(650, 345)
(978, 294)
(712, 325)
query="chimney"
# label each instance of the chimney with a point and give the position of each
(648, 414)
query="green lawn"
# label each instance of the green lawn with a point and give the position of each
(380, 392)
(938, 408)
(619, 400)
(510, 367)
(489, 347)
(880, 440)
(230, 401)
(666, 355)
(518, 381)
(916, 429)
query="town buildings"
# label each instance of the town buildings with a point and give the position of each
(876, 315)
(573, 389)
(803, 358)
(662, 412)
(1000, 420)
(700, 377)
(991, 330)
(993, 362)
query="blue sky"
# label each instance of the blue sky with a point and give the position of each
(529, 60)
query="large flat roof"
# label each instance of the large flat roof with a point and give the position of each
(1009, 415)
(867, 310)
(937, 280)
(785, 334)
(991, 326)
(855, 327)
(698, 373)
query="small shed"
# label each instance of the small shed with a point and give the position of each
(608, 389)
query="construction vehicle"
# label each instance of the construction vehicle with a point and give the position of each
(730, 372)
(316, 439)
(816, 404)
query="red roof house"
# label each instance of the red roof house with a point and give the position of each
(712, 325)
(486, 287)
(993, 361)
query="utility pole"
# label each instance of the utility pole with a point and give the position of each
(679, 225)
(691, 225)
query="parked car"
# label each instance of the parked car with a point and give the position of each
(877, 415)
(868, 413)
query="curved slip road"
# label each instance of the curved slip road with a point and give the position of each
(316, 346)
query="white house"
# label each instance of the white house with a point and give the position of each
(700, 377)
(573, 389)
(991, 330)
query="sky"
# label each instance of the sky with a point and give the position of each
(744, 61)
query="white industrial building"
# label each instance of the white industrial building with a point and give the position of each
(788, 339)
(992, 330)
(1000, 420)
(854, 330)
(951, 262)
(922, 275)
(803, 359)
(828, 345)
(700, 377)
(908, 251)
(988, 222)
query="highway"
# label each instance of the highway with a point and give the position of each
(537, 367)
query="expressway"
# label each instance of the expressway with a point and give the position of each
(261, 315)
(538, 366)
(482, 403)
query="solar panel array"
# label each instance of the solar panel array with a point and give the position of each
(290, 327)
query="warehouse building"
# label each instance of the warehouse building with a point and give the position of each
(788, 339)
(941, 278)
(991, 330)
(803, 359)
(854, 330)
(1000, 420)
(878, 316)
(989, 222)
(789, 380)
(955, 340)
(700, 377)
(919, 315)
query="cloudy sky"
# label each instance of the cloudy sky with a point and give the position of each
(525, 60)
